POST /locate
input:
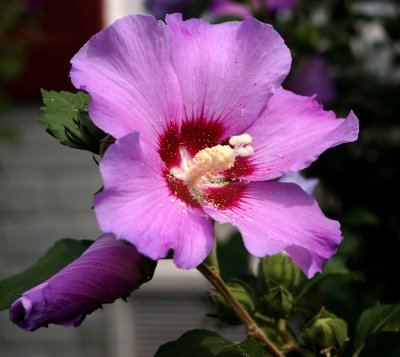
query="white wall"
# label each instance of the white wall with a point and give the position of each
(115, 9)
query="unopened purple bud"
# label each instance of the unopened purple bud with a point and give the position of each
(108, 270)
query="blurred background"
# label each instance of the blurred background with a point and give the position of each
(346, 52)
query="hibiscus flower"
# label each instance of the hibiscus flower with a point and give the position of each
(201, 123)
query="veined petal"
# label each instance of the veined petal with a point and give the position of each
(292, 132)
(274, 217)
(126, 70)
(137, 205)
(227, 72)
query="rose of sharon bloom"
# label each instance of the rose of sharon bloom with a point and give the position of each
(201, 122)
(313, 77)
(221, 8)
(281, 4)
(160, 8)
(108, 270)
(309, 185)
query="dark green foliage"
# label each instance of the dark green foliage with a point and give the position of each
(67, 119)
(376, 320)
(204, 343)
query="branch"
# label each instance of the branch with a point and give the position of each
(212, 275)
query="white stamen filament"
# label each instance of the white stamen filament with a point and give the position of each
(209, 162)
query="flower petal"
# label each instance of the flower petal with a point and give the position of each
(221, 8)
(281, 4)
(291, 134)
(227, 72)
(308, 185)
(274, 216)
(137, 205)
(126, 70)
(108, 270)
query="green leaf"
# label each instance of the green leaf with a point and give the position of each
(67, 119)
(333, 267)
(249, 347)
(377, 319)
(204, 343)
(194, 343)
(57, 257)
(233, 258)
(243, 292)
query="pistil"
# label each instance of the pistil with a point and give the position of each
(205, 166)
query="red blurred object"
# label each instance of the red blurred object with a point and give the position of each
(64, 27)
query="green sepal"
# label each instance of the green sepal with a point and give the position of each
(147, 267)
(279, 302)
(279, 270)
(67, 119)
(325, 332)
(57, 257)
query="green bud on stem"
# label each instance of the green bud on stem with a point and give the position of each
(277, 270)
(325, 333)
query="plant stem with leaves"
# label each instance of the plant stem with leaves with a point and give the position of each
(212, 275)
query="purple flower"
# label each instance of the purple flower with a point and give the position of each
(160, 8)
(308, 185)
(312, 77)
(221, 8)
(274, 5)
(108, 270)
(201, 121)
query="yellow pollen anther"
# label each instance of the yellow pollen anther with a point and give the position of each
(209, 162)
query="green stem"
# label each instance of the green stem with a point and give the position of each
(280, 327)
(290, 342)
(212, 275)
(212, 259)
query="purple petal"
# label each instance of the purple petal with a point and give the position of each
(108, 270)
(311, 77)
(308, 185)
(274, 217)
(137, 205)
(292, 132)
(127, 72)
(160, 8)
(220, 8)
(227, 72)
(281, 4)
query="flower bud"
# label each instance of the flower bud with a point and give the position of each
(242, 293)
(277, 270)
(279, 302)
(108, 270)
(325, 332)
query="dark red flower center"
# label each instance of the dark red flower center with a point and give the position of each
(191, 141)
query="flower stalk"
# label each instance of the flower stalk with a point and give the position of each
(212, 275)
